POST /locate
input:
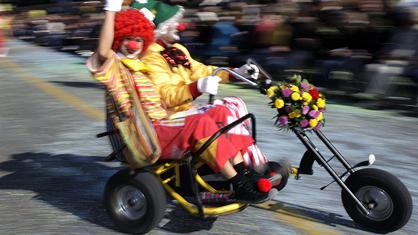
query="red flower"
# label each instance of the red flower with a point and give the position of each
(314, 93)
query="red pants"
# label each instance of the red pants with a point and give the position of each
(189, 133)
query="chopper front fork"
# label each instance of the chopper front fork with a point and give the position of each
(324, 163)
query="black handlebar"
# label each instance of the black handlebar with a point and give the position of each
(262, 86)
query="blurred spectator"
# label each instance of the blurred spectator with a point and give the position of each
(397, 58)
(3, 49)
(271, 45)
(271, 30)
(345, 35)
(223, 41)
(5, 25)
(331, 18)
(322, 39)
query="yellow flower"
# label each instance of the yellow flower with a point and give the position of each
(282, 87)
(294, 88)
(279, 103)
(320, 116)
(314, 107)
(294, 114)
(271, 90)
(295, 96)
(313, 123)
(307, 97)
(320, 103)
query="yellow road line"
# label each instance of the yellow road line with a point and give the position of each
(55, 91)
(306, 224)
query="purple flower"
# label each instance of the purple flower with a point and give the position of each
(305, 86)
(318, 126)
(283, 120)
(304, 123)
(286, 92)
(314, 113)
(305, 109)
(288, 109)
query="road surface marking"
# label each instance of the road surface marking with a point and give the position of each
(55, 91)
(306, 224)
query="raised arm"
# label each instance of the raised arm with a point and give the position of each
(107, 30)
(106, 36)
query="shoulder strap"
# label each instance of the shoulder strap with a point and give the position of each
(138, 106)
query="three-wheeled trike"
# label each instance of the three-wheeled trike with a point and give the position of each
(136, 199)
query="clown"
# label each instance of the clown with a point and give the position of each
(180, 79)
(129, 34)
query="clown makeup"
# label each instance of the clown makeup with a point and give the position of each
(131, 47)
(169, 32)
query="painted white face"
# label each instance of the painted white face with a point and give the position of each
(132, 47)
(170, 32)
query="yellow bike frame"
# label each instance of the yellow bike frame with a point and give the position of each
(188, 206)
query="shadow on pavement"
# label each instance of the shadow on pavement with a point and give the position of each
(75, 184)
(71, 183)
(182, 222)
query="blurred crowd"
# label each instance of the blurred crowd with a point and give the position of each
(365, 48)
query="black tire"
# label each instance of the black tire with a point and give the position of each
(135, 203)
(390, 199)
(283, 168)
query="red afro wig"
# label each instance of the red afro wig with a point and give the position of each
(132, 23)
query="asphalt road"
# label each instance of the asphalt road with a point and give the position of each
(52, 172)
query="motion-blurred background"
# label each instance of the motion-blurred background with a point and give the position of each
(364, 50)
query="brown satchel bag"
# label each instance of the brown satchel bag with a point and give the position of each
(137, 130)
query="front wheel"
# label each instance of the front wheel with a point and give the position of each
(388, 200)
(135, 202)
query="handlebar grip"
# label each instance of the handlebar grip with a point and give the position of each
(211, 98)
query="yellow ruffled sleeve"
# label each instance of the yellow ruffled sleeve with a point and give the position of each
(171, 85)
(109, 75)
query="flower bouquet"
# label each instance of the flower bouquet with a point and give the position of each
(299, 104)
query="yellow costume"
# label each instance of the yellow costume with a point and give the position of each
(113, 74)
(173, 83)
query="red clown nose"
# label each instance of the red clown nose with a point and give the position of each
(182, 26)
(132, 45)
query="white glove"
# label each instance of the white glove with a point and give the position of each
(209, 84)
(248, 71)
(113, 5)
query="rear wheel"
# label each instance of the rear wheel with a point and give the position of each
(136, 202)
(388, 200)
